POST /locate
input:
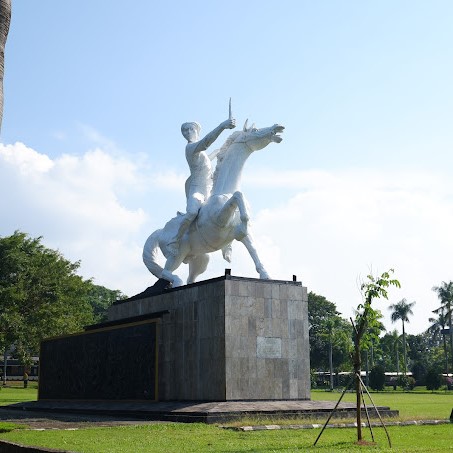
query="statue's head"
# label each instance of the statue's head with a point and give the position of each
(191, 131)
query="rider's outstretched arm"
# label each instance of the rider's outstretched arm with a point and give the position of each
(210, 138)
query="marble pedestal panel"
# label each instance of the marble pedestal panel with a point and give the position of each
(229, 338)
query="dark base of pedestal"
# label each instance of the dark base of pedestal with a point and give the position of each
(202, 412)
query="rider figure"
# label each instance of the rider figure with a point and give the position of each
(199, 183)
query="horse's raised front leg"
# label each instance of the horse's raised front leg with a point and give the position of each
(248, 242)
(237, 200)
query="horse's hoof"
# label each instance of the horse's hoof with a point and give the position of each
(177, 282)
(174, 279)
(226, 252)
(264, 275)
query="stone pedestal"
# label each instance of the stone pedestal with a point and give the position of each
(229, 338)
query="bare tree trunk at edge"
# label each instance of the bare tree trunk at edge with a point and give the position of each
(5, 19)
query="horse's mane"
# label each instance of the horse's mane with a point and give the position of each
(222, 153)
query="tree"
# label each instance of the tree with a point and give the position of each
(319, 310)
(445, 294)
(437, 328)
(424, 352)
(377, 378)
(40, 295)
(433, 379)
(336, 331)
(390, 344)
(374, 288)
(100, 299)
(371, 338)
(5, 20)
(322, 313)
(400, 311)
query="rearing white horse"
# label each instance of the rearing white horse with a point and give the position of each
(221, 219)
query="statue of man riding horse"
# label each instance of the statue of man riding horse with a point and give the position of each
(216, 210)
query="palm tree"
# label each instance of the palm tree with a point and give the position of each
(401, 310)
(438, 328)
(330, 325)
(5, 19)
(396, 341)
(445, 294)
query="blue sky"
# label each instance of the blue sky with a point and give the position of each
(92, 159)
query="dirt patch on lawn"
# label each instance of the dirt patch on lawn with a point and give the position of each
(46, 420)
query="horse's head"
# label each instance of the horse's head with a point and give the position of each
(236, 150)
(259, 138)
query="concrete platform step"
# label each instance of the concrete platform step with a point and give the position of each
(205, 412)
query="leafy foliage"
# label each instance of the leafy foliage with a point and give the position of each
(377, 378)
(377, 287)
(366, 316)
(419, 372)
(445, 295)
(374, 327)
(327, 326)
(433, 379)
(401, 310)
(100, 299)
(406, 382)
(40, 295)
(391, 344)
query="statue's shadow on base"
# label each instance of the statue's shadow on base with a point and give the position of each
(158, 287)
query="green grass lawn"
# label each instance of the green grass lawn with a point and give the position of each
(412, 406)
(17, 394)
(174, 437)
(178, 437)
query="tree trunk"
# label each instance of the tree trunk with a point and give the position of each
(445, 353)
(367, 380)
(5, 364)
(451, 334)
(5, 19)
(397, 361)
(404, 352)
(331, 364)
(358, 388)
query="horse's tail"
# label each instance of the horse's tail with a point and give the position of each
(150, 254)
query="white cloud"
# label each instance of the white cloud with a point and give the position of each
(72, 202)
(25, 160)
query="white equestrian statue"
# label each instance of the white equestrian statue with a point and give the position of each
(222, 218)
